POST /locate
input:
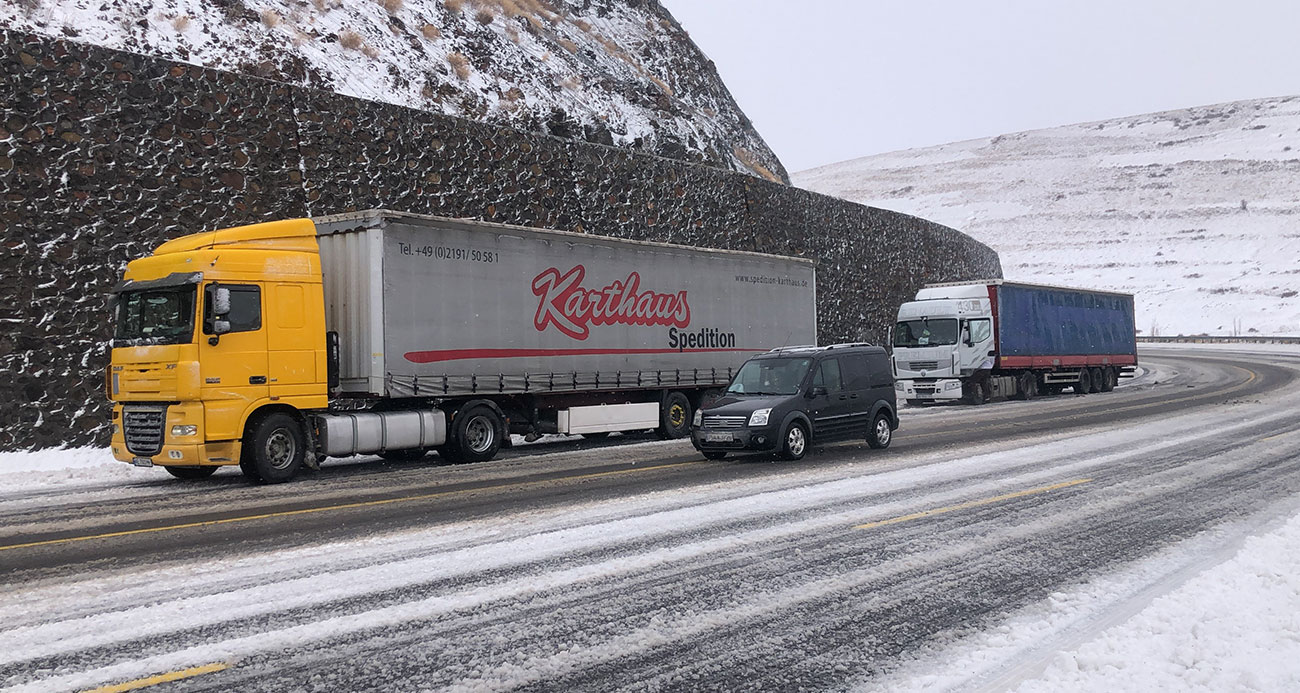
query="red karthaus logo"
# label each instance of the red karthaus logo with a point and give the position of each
(570, 307)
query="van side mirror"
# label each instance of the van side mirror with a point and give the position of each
(817, 391)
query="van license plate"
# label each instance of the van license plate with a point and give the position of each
(142, 462)
(717, 437)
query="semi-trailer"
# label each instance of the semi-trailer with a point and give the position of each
(274, 345)
(975, 341)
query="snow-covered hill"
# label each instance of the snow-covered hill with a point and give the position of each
(1195, 211)
(620, 72)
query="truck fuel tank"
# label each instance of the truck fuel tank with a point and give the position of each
(370, 432)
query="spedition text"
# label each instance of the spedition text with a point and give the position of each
(703, 338)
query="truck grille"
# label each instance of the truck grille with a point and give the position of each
(725, 421)
(923, 365)
(143, 429)
(926, 390)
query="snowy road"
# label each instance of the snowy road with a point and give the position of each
(642, 566)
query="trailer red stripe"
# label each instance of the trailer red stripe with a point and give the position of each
(464, 354)
(1067, 361)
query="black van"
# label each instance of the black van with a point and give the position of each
(789, 399)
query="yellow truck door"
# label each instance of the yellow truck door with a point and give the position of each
(233, 366)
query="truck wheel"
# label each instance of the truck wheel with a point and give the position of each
(1108, 379)
(675, 417)
(1084, 386)
(408, 455)
(274, 450)
(1026, 386)
(713, 454)
(794, 444)
(476, 435)
(191, 472)
(880, 434)
(977, 395)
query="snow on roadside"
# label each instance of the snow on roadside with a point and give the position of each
(63, 467)
(1233, 627)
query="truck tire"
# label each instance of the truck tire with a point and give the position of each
(794, 442)
(674, 417)
(476, 434)
(880, 434)
(1026, 386)
(191, 472)
(1108, 379)
(976, 395)
(408, 455)
(1084, 385)
(274, 449)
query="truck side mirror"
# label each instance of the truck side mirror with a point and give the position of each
(221, 303)
(220, 326)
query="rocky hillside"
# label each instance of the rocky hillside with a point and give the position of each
(1195, 211)
(617, 72)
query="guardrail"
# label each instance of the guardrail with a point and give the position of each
(1207, 339)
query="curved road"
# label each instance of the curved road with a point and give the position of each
(598, 565)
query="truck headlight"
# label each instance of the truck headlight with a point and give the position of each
(759, 417)
(699, 417)
(952, 386)
(186, 430)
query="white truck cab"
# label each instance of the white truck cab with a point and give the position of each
(941, 339)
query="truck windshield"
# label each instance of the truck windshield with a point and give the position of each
(923, 332)
(778, 376)
(158, 316)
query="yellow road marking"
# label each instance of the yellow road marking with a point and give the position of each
(162, 678)
(341, 506)
(1283, 433)
(971, 504)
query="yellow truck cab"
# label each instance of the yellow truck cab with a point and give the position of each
(216, 331)
(275, 345)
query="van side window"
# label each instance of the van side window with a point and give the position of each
(857, 372)
(828, 375)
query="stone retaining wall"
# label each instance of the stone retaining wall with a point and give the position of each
(105, 154)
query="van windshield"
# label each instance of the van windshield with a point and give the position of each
(923, 332)
(157, 316)
(770, 376)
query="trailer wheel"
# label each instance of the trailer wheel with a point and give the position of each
(274, 450)
(794, 443)
(191, 472)
(713, 454)
(1026, 386)
(674, 417)
(408, 455)
(475, 436)
(1108, 379)
(1084, 385)
(880, 434)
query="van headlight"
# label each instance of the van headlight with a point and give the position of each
(898, 385)
(699, 417)
(185, 430)
(759, 417)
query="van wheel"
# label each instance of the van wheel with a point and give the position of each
(674, 417)
(475, 435)
(880, 434)
(191, 472)
(274, 449)
(794, 444)
(713, 454)
(408, 455)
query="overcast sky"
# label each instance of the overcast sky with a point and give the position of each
(830, 80)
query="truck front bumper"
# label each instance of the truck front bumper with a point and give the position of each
(756, 439)
(946, 389)
(177, 449)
